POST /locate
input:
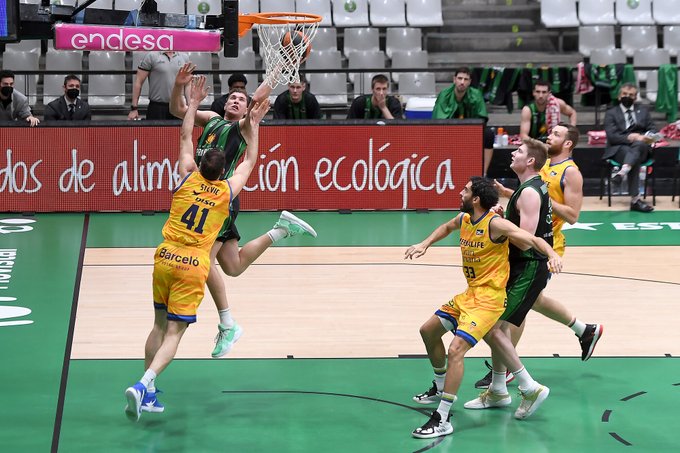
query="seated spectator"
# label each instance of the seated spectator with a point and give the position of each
(13, 104)
(160, 68)
(68, 107)
(378, 104)
(235, 80)
(461, 101)
(628, 141)
(540, 116)
(297, 103)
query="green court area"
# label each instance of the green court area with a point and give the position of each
(391, 228)
(364, 405)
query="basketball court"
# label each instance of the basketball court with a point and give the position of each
(331, 354)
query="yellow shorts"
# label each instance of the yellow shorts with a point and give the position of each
(472, 314)
(179, 276)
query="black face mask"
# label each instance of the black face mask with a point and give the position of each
(72, 93)
(7, 91)
(627, 102)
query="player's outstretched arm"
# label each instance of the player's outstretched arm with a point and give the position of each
(442, 231)
(524, 240)
(197, 93)
(178, 105)
(242, 172)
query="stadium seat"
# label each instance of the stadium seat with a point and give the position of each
(358, 18)
(137, 57)
(666, 12)
(248, 6)
(99, 4)
(324, 59)
(246, 42)
(638, 15)
(403, 38)
(277, 6)
(357, 39)
(671, 39)
(365, 59)
(416, 84)
(329, 88)
(319, 7)
(607, 56)
(652, 87)
(244, 62)
(278, 89)
(124, 5)
(24, 56)
(69, 61)
(326, 39)
(592, 37)
(203, 62)
(105, 89)
(649, 58)
(171, 6)
(408, 59)
(596, 12)
(424, 13)
(559, 13)
(214, 7)
(388, 13)
(638, 37)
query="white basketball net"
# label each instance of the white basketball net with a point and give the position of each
(282, 63)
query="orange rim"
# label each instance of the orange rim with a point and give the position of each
(246, 21)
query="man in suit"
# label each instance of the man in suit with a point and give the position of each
(69, 107)
(626, 126)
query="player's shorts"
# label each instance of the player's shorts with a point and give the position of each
(527, 279)
(229, 230)
(472, 314)
(179, 276)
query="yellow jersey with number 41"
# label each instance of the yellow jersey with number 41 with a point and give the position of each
(199, 209)
(485, 261)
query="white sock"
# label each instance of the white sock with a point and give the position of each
(439, 378)
(578, 327)
(445, 405)
(498, 384)
(225, 318)
(152, 386)
(526, 382)
(149, 375)
(276, 234)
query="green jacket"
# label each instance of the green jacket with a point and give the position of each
(472, 104)
(667, 95)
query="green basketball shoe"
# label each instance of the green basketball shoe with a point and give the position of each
(293, 225)
(225, 339)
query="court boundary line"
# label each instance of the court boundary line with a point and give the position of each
(398, 357)
(69, 338)
(582, 274)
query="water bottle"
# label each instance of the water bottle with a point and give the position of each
(495, 137)
(499, 136)
(643, 177)
(505, 140)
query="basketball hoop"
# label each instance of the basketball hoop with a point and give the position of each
(281, 53)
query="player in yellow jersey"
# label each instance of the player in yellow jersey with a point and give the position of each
(182, 261)
(231, 135)
(484, 239)
(565, 187)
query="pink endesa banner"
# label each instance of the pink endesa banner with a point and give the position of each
(105, 37)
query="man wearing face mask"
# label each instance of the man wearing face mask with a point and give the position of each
(628, 127)
(69, 107)
(13, 104)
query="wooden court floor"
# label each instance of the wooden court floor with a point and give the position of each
(331, 354)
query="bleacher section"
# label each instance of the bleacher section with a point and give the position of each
(391, 36)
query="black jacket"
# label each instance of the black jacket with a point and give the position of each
(617, 133)
(57, 110)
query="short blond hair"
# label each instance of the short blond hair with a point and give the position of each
(538, 150)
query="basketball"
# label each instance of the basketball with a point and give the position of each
(295, 42)
(350, 6)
